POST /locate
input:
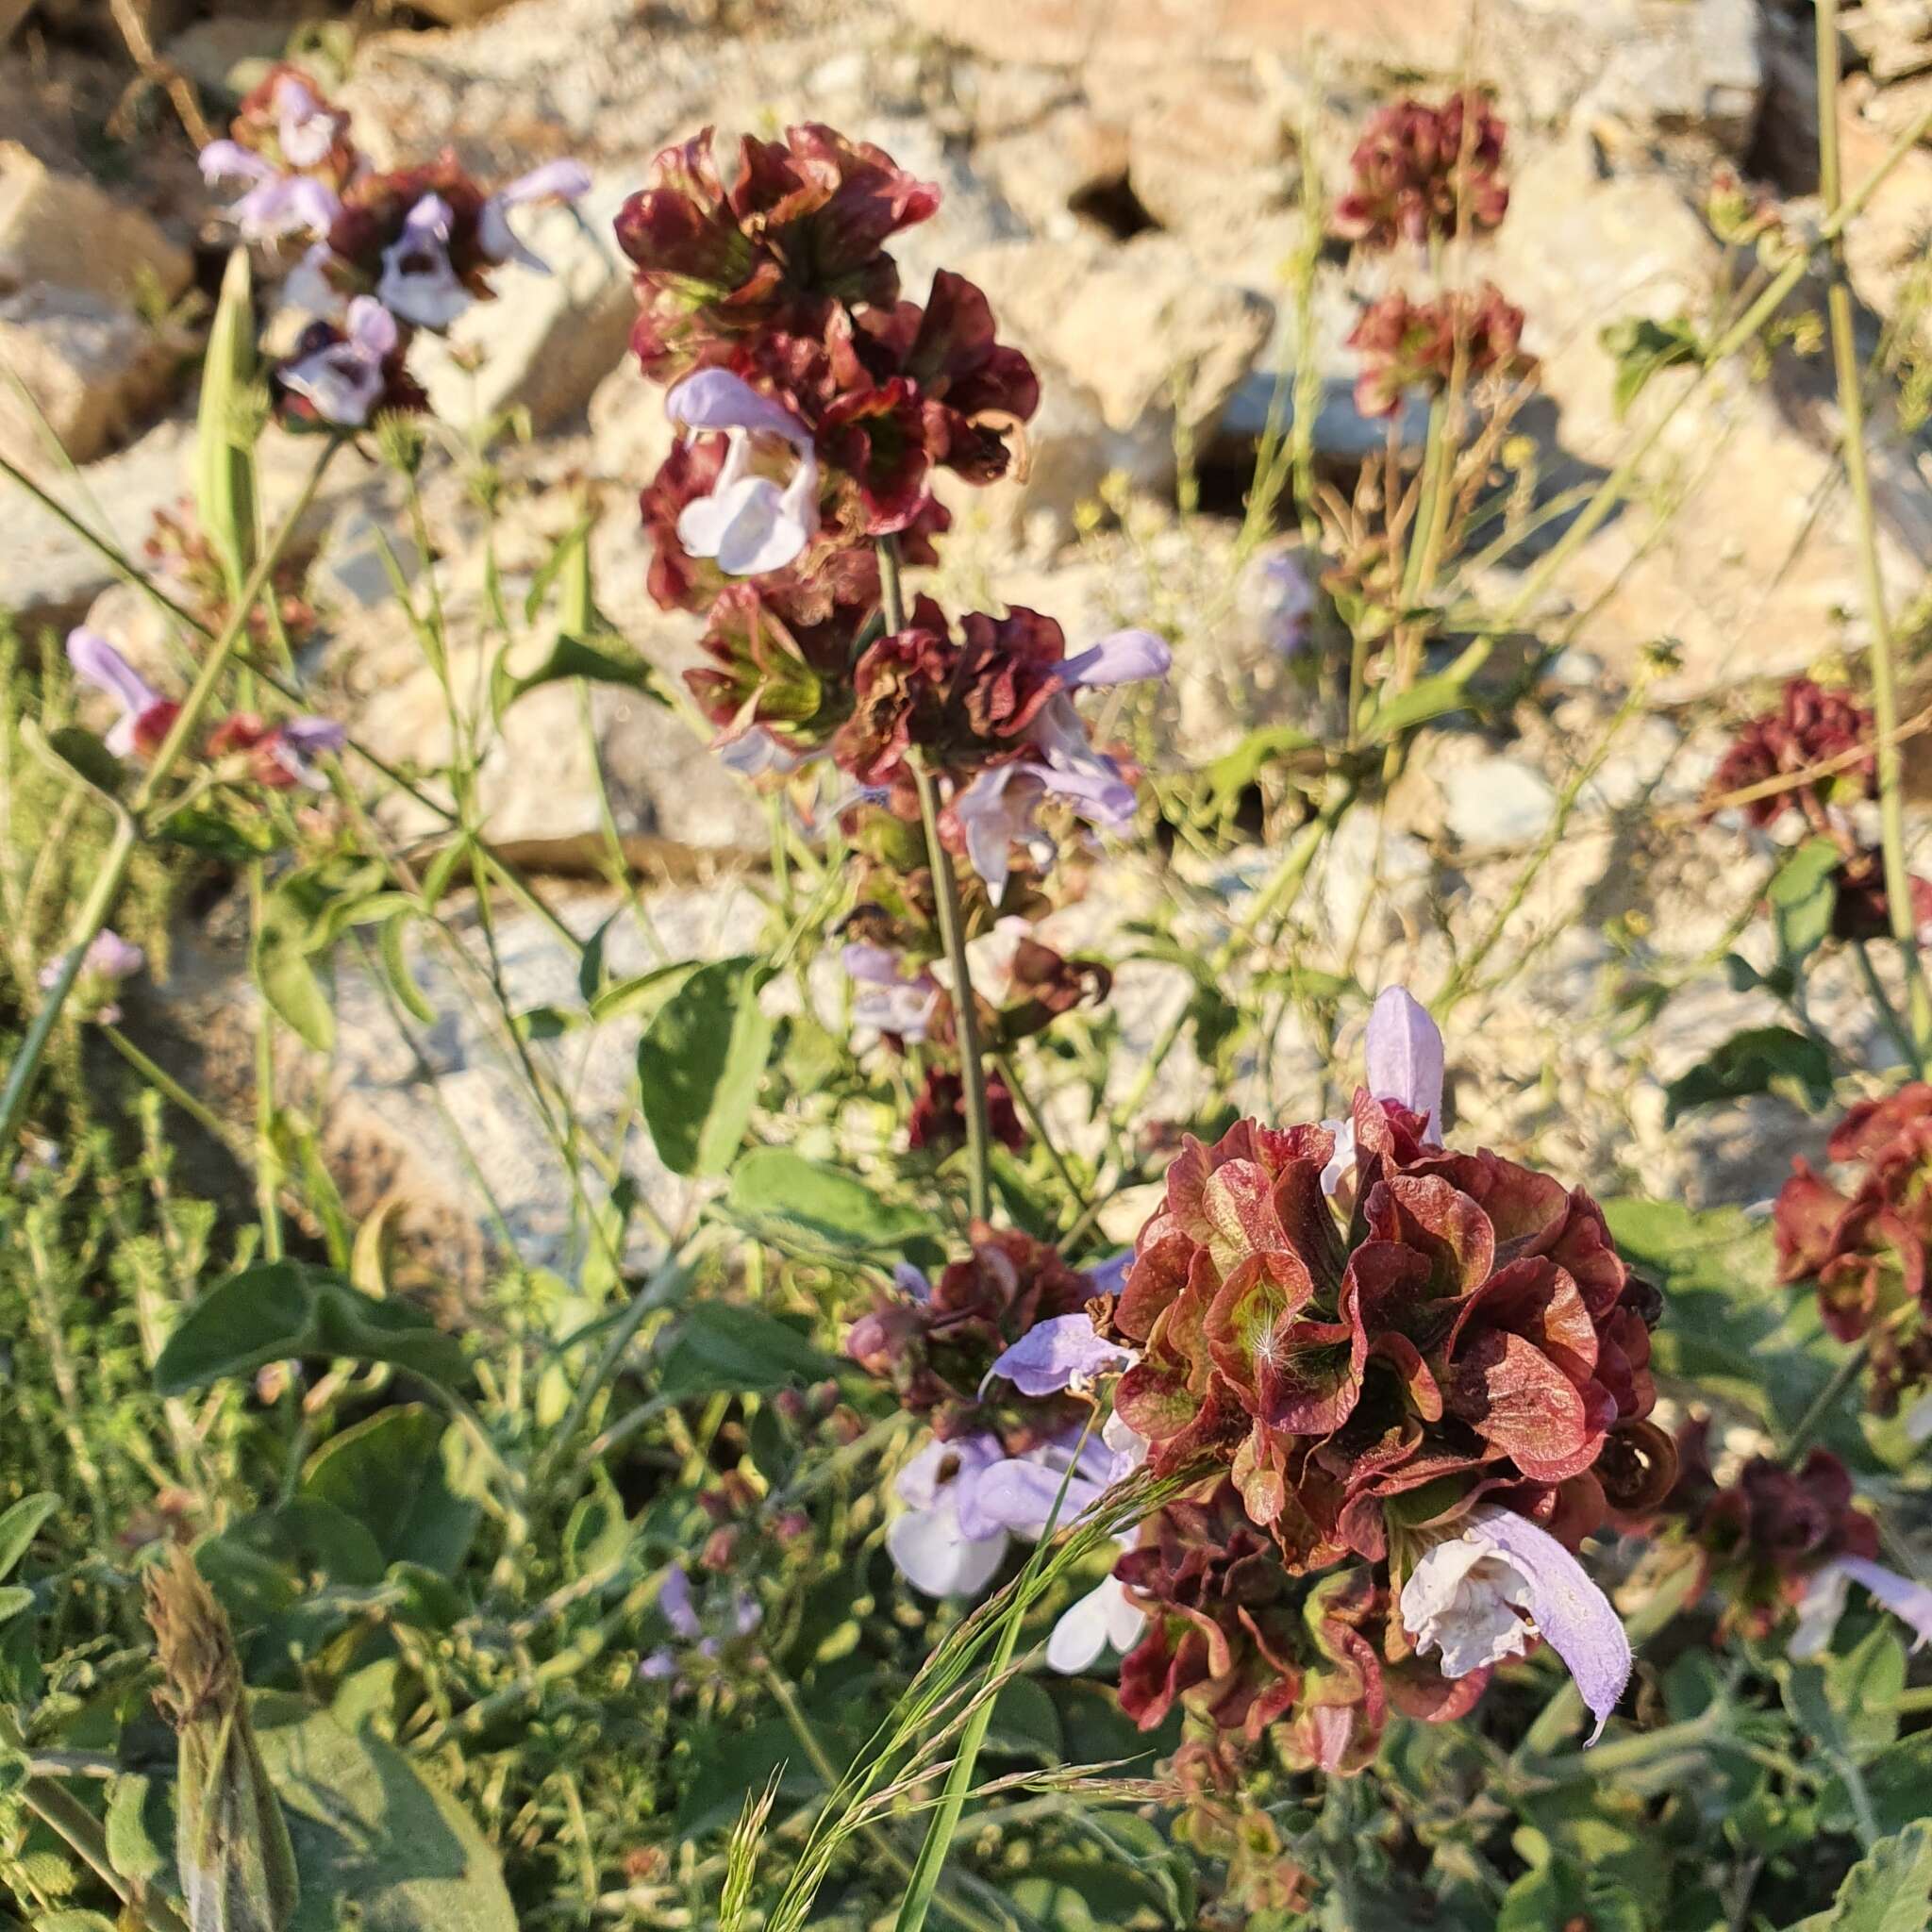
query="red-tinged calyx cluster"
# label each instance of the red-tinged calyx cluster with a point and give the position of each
(937, 1123)
(1863, 1247)
(935, 1350)
(800, 231)
(1469, 1332)
(1407, 344)
(1238, 1641)
(1423, 173)
(1763, 1535)
(180, 551)
(1812, 725)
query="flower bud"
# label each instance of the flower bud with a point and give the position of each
(237, 1867)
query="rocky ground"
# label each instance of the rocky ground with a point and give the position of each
(1124, 178)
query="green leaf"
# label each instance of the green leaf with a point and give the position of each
(781, 1197)
(642, 995)
(1848, 1705)
(281, 1309)
(88, 760)
(720, 1345)
(699, 1066)
(1223, 779)
(386, 1474)
(598, 1532)
(289, 983)
(1558, 1893)
(1426, 698)
(1802, 896)
(14, 1598)
(1750, 1062)
(395, 968)
(569, 656)
(1731, 1328)
(377, 1844)
(224, 439)
(310, 1539)
(1887, 1890)
(21, 1525)
(1641, 349)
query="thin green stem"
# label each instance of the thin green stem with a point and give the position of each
(945, 885)
(1825, 1400)
(1898, 884)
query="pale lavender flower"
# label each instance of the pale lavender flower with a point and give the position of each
(1824, 1602)
(675, 1601)
(145, 714)
(299, 742)
(752, 752)
(929, 1544)
(275, 205)
(1062, 1352)
(1486, 1594)
(1280, 594)
(1404, 1063)
(346, 380)
(419, 284)
(911, 1281)
(108, 961)
(889, 1000)
(553, 181)
(305, 124)
(1111, 1277)
(658, 1666)
(748, 524)
(999, 810)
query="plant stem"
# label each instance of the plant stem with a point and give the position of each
(1825, 1400)
(945, 885)
(1898, 884)
(120, 853)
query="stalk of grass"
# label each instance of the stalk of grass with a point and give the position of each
(1898, 884)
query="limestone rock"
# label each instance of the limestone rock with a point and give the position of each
(92, 368)
(1400, 34)
(1131, 343)
(1497, 801)
(50, 576)
(673, 803)
(60, 229)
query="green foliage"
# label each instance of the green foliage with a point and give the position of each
(700, 1062)
(284, 1309)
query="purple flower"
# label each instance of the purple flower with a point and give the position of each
(748, 524)
(306, 128)
(1404, 1054)
(1061, 1354)
(275, 205)
(345, 381)
(299, 742)
(418, 282)
(553, 181)
(999, 809)
(1824, 1602)
(1485, 1594)
(109, 960)
(657, 1667)
(929, 1544)
(752, 752)
(1280, 591)
(1402, 1061)
(145, 714)
(675, 1601)
(1111, 1277)
(891, 1000)
(911, 1281)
